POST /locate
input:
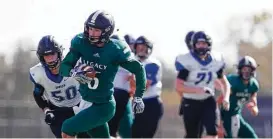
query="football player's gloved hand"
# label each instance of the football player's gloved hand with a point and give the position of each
(138, 105)
(49, 117)
(78, 74)
(208, 90)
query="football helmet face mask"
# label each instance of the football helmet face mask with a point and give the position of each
(49, 52)
(201, 43)
(143, 47)
(99, 27)
(247, 67)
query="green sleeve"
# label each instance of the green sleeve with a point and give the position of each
(70, 59)
(127, 61)
(232, 81)
(256, 85)
(138, 70)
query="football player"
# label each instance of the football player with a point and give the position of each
(199, 69)
(130, 41)
(217, 86)
(178, 65)
(187, 41)
(56, 95)
(244, 89)
(100, 57)
(123, 118)
(145, 124)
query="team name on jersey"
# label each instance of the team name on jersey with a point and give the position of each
(242, 94)
(60, 86)
(95, 65)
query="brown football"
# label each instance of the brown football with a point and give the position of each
(91, 73)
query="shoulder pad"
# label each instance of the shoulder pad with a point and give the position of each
(232, 78)
(36, 72)
(184, 60)
(255, 83)
(76, 40)
(120, 44)
(122, 49)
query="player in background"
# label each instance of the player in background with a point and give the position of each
(100, 57)
(146, 123)
(130, 41)
(178, 67)
(123, 118)
(199, 69)
(244, 89)
(187, 41)
(218, 86)
(54, 94)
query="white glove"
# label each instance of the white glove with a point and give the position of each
(208, 90)
(138, 105)
(79, 75)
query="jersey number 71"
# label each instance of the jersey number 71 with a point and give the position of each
(204, 76)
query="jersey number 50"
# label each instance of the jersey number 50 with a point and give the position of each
(70, 93)
(202, 76)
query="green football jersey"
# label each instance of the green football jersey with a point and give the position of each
(240, 93)
(105, 61)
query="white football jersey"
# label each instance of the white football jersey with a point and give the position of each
(201, 74)
(153, 73)
(121, 79)
(63, 93)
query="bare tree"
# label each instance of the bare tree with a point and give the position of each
(242, 32)
(242, 29)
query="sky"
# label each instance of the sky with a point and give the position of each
(164, 22)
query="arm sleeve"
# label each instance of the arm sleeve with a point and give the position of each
(38, 93)
(183, 74)
(127, 61)
(137, 69)
(70, 60)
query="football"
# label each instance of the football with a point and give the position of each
(91, 72)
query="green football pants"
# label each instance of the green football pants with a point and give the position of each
(92, 118)
(126, 122)
(235, 126)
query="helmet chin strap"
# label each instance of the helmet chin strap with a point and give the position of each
(141, 58)
(98, 42)
(55, 70)
(55, 65)
(246, 77)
